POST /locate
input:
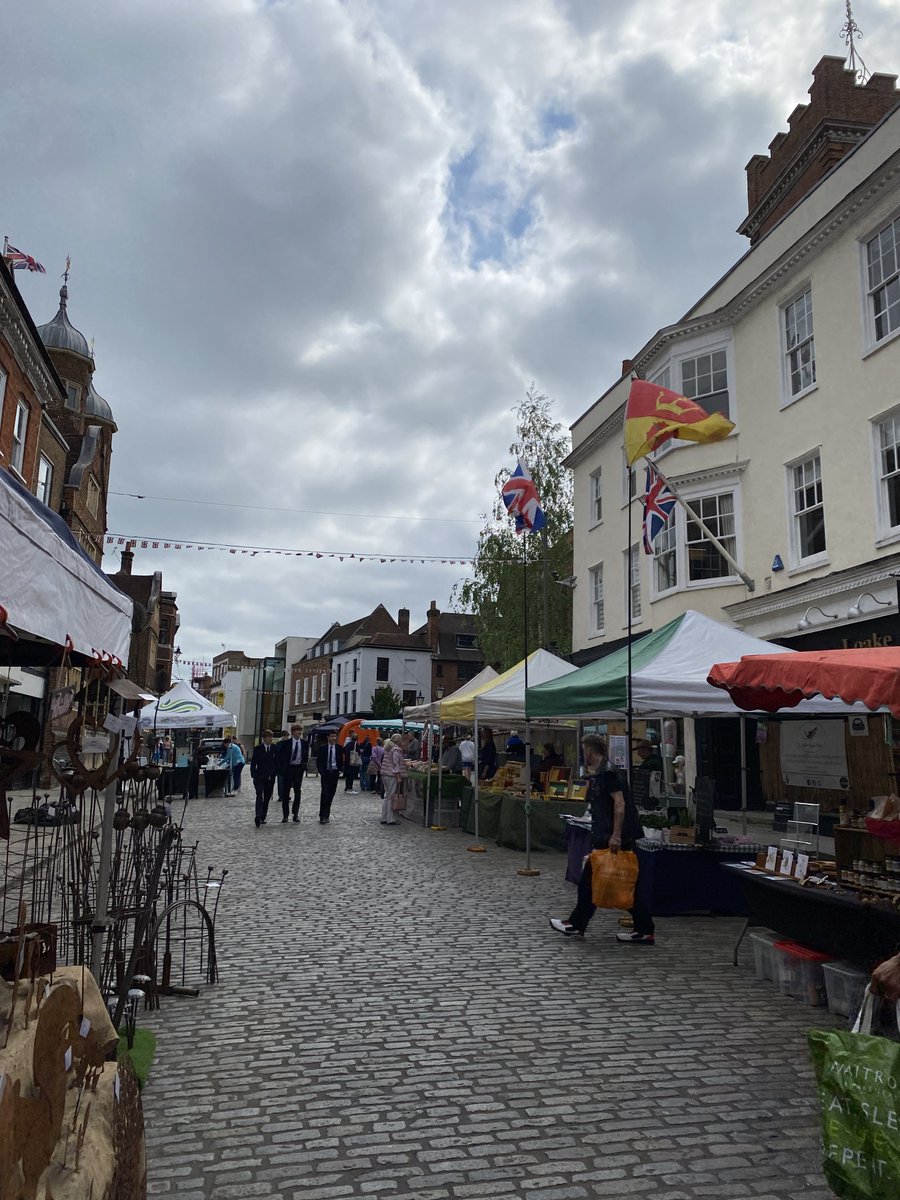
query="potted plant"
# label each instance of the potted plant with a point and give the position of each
(654, 823)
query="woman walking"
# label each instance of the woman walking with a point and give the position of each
(393, 775)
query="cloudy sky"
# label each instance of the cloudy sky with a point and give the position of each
(323, 246)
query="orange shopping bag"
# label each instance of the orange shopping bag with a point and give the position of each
(613, 878)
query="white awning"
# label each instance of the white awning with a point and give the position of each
(49, 587)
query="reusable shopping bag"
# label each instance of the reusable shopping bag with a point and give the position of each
(859, 1089)
(613, 877)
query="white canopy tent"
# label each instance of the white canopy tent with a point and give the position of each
(51, 590)
(504, 701)
(183, 708)
(432, 711)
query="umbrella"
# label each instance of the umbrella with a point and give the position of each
(772, 681)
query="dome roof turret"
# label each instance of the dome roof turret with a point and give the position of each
(61, 334)
(96, 406)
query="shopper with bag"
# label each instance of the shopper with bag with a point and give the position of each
(393, 776)
(351, 764)
(609, 878)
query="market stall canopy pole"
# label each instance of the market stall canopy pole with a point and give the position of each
(768, 682)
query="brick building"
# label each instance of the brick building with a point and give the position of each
(455, 657)
(311, 677)
(155, 623)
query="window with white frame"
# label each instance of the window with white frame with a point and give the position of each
(632, 577)
(93, 495)
(338, 680)
(883, 279)
(799, 345)
(355, 672)
(665, 555)
(353, 700)
(314, 691)
(888, 434)
(73, 396)
(20, 429)
(305, 690)
(3, 379)
(807, 509)
(596, 599)
(45, 479)
(704, 378)
(683, 554)
(703, 559)
(597, 497)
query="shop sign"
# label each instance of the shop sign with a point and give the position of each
(62, 702)
(860, 635)
(813, 755)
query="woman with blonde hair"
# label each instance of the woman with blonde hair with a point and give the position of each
(393, 776)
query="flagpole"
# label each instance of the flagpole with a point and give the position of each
(629, 711)
(751, 585)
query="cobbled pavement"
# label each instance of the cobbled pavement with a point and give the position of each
(396, 1019)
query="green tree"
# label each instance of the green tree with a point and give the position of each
(386, 704)
(496, 592)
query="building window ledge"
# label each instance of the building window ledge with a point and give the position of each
(874, 347)
(787, 401)
(596, 525)
(809, 564)
(888, 539)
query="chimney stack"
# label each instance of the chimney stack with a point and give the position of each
(127, 558)
(434, 614)
(403, 621)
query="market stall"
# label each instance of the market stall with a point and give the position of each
(183, 708)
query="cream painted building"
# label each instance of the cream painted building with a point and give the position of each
(799, 345)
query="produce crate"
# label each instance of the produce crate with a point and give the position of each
(800, 973)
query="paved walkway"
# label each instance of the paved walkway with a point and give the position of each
(396, 1019)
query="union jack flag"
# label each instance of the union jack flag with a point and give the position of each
(19, 260)
(522, 501)
(659, 500)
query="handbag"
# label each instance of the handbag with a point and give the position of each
(354, 759)
(373, 769)
(398, 803)
(858, 1076)
(613, 878)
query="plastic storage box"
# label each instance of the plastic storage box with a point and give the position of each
(845, 985)
(765, 960)
(800, 973)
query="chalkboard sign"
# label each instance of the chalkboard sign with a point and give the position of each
(640, 789)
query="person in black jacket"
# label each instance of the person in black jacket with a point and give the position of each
(487, 755)
(264, 772)
(615, 826)
(330, 761)
(293, 755)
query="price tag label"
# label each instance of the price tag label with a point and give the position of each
(84, 1028)
(801, 870)
(771, 858)
(67, 1059)
(117, 1086)
(787, 862)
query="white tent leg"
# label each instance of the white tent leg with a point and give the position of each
(743, 774)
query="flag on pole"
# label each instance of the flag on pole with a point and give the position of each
(20, 261)
(522, 501)
(659, 500)
(655, 414)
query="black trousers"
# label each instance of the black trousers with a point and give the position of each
(584, 908)
(292, 778)
(264, 790)
(329, 787)
(350, 778)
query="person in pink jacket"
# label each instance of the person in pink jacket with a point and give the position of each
(393, 775)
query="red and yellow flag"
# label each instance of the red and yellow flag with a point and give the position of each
(654, 414)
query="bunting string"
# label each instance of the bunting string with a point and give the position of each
(138, 541)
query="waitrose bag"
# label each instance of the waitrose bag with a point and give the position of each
(859, 1089)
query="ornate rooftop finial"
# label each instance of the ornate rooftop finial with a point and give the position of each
(67, 270)
(851, 33)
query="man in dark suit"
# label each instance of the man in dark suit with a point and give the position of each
(293, 754)
(264, 772)
(330, 761)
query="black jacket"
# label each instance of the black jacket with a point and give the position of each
(264, 761)
(284, 751)
(322, 758)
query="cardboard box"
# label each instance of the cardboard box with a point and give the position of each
(682, 835)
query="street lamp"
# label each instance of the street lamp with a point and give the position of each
(420, 699)
(439, 691)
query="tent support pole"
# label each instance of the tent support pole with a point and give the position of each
(101, 921)
(477, 848)
(629, 708)
(527, 869)
(743, 773)
(429, 737)
(437, 816)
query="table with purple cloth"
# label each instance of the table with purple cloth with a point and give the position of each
(672, 879)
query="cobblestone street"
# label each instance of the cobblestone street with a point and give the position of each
(396, 1019)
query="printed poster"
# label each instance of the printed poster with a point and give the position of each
(813, 754)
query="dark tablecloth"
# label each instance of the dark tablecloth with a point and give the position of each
(673, 881)
(214, 780)
(501, 817)
(831, 922)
